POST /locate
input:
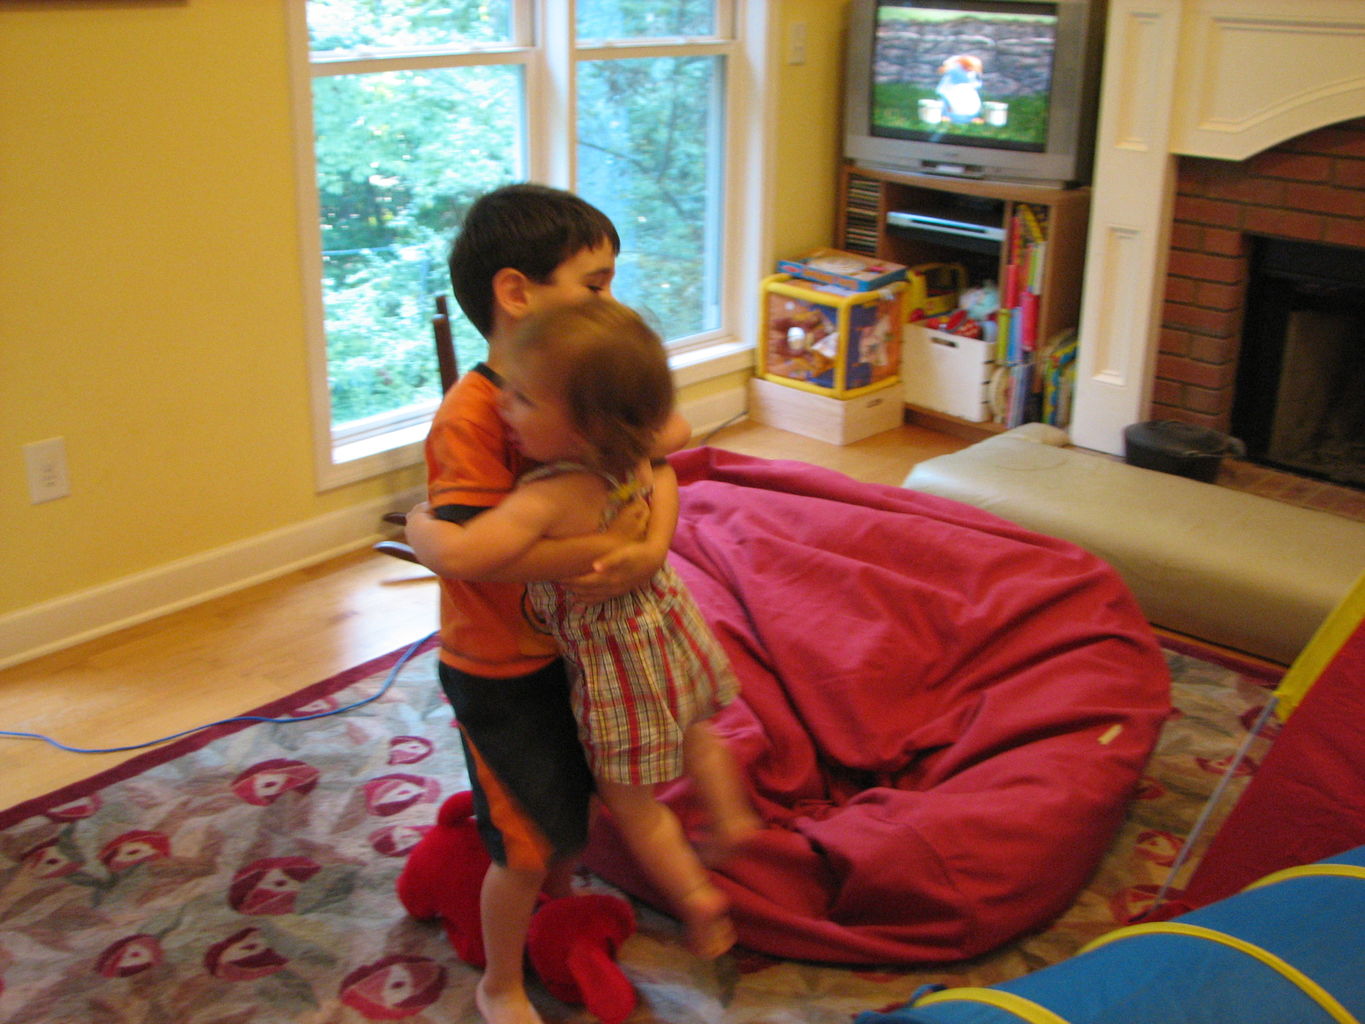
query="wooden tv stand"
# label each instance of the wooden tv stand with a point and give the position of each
(867, 195)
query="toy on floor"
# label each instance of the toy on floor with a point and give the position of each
(573, 940)
(1286, 950)
(573, 943)
(1307, 800)
(443, 875)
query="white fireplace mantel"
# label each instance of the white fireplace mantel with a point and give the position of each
(1210, 78)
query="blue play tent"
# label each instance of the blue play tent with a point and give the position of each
(1289, 949)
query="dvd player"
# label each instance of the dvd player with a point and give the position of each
(945, 225)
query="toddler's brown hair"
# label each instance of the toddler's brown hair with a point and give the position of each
(612, 370)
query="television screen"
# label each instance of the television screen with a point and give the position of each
(966, 72)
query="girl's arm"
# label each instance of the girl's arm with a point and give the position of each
(597, 566)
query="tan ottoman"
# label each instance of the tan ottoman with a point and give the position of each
(1229, 567)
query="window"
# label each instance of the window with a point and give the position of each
(413, 108)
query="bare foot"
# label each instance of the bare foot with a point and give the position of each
(505, 1007)
(706, 917)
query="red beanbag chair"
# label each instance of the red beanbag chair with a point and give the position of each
(943, 715)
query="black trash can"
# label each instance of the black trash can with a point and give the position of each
(1170, 446)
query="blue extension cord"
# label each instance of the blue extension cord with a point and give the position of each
(388, 682)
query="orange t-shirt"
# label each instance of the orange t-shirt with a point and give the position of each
(470, 465)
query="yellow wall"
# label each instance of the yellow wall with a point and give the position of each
(807, 147)
(809, 127)
(150, 292)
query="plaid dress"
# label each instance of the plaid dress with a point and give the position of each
(643, 666)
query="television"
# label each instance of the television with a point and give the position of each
(1004, 90)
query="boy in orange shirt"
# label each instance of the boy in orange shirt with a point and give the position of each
(523, 249)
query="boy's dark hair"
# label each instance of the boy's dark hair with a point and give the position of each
(613, 371)
(531, 228)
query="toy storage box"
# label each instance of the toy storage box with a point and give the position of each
(834, 420)
(948, 373)
(830, 341)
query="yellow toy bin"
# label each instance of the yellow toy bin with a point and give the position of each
(829, 340)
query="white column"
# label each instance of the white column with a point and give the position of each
(1212, 78)
(1130, 220)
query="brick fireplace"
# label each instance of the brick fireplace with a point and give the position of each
(1220, 121)
(1308, 189)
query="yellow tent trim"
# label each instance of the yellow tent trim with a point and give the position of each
(1308, 871)
(1335, 630)
(1288, 971)
(1024, 1009)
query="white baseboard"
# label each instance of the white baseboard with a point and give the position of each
(707, 415)
(72, 619)
(75, 618)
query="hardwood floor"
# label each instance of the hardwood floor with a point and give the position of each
(243, 650)
(881, 459)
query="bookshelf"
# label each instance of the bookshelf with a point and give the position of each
(867, 196)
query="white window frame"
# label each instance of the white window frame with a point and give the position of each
(390, 442)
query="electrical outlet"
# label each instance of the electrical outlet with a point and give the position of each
(46, 462)
(796, 42)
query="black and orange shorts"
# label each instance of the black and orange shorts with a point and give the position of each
(526, 766)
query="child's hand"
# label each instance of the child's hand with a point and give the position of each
(631, 523)
(422, 532)
(624, 568)
(628, 567)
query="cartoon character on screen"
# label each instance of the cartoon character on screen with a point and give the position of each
(960, 88)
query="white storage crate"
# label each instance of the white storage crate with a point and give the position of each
(948, 373)
(836, 420)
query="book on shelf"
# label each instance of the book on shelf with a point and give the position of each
(1032, 222)
(1028, 321)
(1017, 389)
(1022, 289)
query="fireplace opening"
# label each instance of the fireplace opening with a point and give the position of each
(1299, 402)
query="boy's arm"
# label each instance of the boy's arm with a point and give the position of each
(674, 436)
(485, 544)
(469, 472)
(467, 551)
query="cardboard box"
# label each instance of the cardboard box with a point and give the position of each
(835, 420)
(829, 340)
(948, 373)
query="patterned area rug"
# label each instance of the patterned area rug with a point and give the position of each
(247, 874)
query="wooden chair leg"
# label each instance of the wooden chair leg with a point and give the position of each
(450, 373)
(397, 549)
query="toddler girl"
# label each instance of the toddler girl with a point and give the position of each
(586, 388)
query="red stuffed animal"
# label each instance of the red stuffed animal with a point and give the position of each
(443, 875)
(572, 942)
